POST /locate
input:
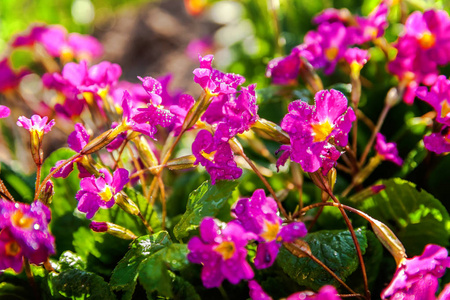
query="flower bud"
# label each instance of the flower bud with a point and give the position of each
(46, 195)
(181, 163)
(270, 130)
(127, 204)
(104, 139)
(113, 229)
(146, 153)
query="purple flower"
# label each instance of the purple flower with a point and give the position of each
(423, 47)
(356, 58)
(439, 98)
(36, 125)
(58, 43)
(438, 142)
(198, 47)
(331, 15)
(233, 114)
(215, 156)
(221, 251)
(315, 130)
(9, 79)
(77, 140)
(258, 215)
(417, 277)
(327, 292)
(387, 151)
(213, 81)
(100, 192)
(24, 232)
(373, 26)
(4, 111)
(284, 70)
(256, 291)
(98, 226)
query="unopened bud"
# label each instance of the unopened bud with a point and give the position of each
(113, 229)
(181, 163)
(46, 194)
(104, 139)
(196, 111)
(392, 97)
(270, 130)
(127, 204)
(389, 240)
(36, 147)
(146, 153)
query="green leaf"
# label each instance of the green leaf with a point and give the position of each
(19, 185)
(14, 292)
(416, 217)
(126, 272)
(207, 200)
(413, 159)
(176, 256)
(84, 242)
(79, 284)
(334, 248)
(69, 260)
(182, 289)
(154, 277)
(149, 214)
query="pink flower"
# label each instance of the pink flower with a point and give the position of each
(388, 151)
(4, 111)
(316, 130)
(417, 277)
(36, 124)
(327, 292)
(221, 251)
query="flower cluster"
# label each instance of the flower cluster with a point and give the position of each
(229, 112)
(58, 43)
(316, 130)
(337, 31)
(423, 47)
(222, 251)
(24, 233)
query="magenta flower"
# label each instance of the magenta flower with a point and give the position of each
(258, 215)
(76, 141)
(373, 26)
(100, 192)
(387, 151)
(438, 142)
(417, 277)
(4, 111)
(439, 98)
(221, 251)
(215, 156)
(213, 81)
(284, 70)
(233, 114)
(10, 79)
(331, 15)
(316, 130)
(327, 292)
(356, 58)
(198, 47)
(423, 47)
(256, 291)
(24, 232)
(36, 125)
(58, 43)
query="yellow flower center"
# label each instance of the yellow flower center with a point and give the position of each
(208, 156)
(12, 248)
(226, 249)
(66, 55)
(321, 131)
(331, 53)
(106, 194)
(19, 220)
(427, 40)
(445, 108)
(271, 231)
(372, 32)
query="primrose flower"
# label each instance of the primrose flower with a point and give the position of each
(58, 43)
(356, 58)
(213, 81)
(24, 233)
(387, 151)
(215, 156)
(284, 70)
(233, 114)
(36, 124)
(373, 26)
(316, 130)
(100, 192)
(439, 98)
(10, 79)
(76, 141)
(423, 47)
(258, 215)
(417, 277)
(438, 142)
(4, 111)
(256, 291)
(327, 292)
(221, 251)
